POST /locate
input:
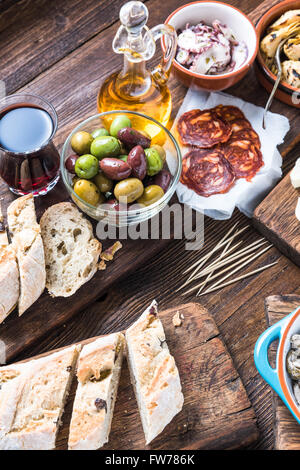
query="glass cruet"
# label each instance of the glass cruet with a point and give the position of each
(136, 88)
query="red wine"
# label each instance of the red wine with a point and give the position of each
(29, 161)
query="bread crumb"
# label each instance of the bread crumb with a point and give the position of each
(102, 265)
(108, 255)
(177, 319)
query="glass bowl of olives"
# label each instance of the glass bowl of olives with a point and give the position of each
(114, 170)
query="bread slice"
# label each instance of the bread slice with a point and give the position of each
(71, 251)
(32, 402)
(29, 248)
(9, 275)
(154, 374)
(98, 375)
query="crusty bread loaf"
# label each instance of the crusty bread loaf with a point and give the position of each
(9, 275)
(71, 251)
(154, 374)
(9, 282)
(29, 248)
(32, 400)
(98, 373)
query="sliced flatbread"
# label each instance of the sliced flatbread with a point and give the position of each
(154, 374)
(98, 373)
(29, 248)
(32, 400)
(9, 275)
(71, 251)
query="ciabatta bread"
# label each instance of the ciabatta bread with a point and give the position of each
(9, 275)
(33, 399)
(29, 248)
(9, 282)
(154, 374)
(98, 373)
(71, 251)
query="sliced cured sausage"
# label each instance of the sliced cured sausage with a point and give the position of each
(229, 113)
(207, 172)
(245, 134)
(202, 129)
(240, 124)
(244, 157)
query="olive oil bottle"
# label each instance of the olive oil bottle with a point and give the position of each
(135, 88)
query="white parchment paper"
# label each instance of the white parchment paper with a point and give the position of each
(244, 195)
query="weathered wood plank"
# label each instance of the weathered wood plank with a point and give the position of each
(34, 35)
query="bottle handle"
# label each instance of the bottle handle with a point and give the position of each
(168, 34)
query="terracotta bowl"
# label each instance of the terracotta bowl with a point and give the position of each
(285, 92)
(208, 11)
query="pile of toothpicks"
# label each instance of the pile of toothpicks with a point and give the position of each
(231, 259)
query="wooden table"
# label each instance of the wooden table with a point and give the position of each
(62, 51)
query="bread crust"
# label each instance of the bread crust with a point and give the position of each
(9, 282)
(98, 375)
(71, 251)
(153, 373)
(29, 248)
(32, 402)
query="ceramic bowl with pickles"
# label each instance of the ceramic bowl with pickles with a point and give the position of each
(121, 166)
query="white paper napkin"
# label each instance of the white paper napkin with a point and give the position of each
(244, 195)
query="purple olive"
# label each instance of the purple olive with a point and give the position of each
(114, 203)
(131, 137)
(137, 161)
(163, 179)
(115, 169)
(70, 163)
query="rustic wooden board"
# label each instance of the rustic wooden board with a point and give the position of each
(275, 219)
(286, 428)
(216, 414)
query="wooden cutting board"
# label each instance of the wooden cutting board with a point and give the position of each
(286, 428)
(217, 413)
(275, 219)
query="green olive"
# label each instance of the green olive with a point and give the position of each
(160, 150)
(154, 162)
(81, 142)
(99, 132)
(88, 191)
(123, 157)
(151, 194)
(119, 123)
(128, 190)
(87, 166)
(103, 183)
(105, 146)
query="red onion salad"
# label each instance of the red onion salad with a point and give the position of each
(210, 50)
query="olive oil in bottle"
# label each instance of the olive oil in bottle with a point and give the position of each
(135, 88)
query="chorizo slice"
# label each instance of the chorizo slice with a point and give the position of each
(207, 172)
(203, 129)
(244, 157)
(246, 134)
(240, 124)
(229, 113)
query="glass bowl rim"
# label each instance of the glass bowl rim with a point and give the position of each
(55, 121)
(168, 194)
